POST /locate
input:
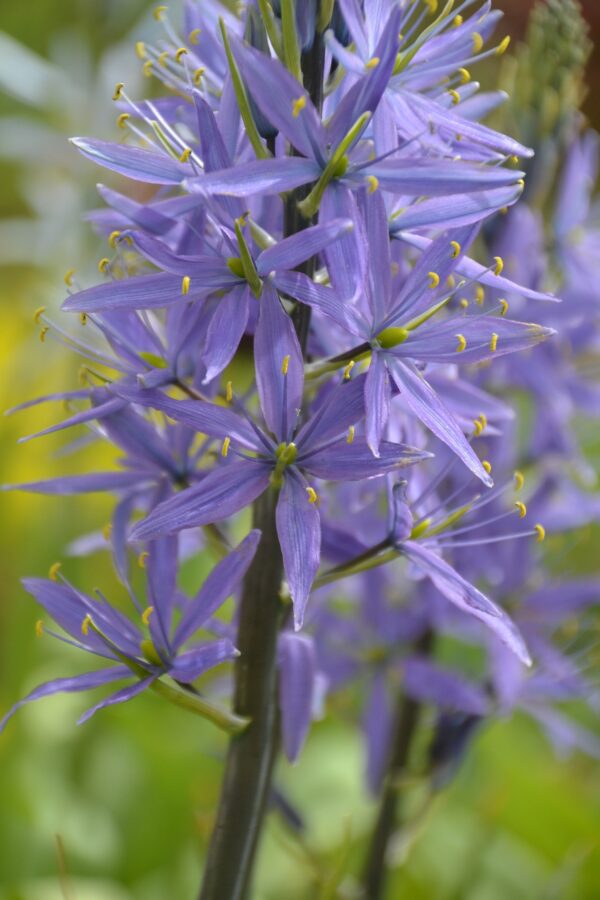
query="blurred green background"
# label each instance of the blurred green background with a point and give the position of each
(121, 807)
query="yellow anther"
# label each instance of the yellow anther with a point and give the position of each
(373, 63)
(197, 76)
(83, 318)
(107, 531)
(53, 571)
(39, 311)
(456, 248)
(451, 281)
(350, 436)
(298, 105)
(68, 277)
(487, 466)
(194, 35)
(162, 58)
(434, 279)
(312, 495)
(541, 532)
(499, 265)
(521, 508)
(462, 343)
(146, 614)
(432, 4)
(140, 50)
(147, 68)
(181, 51)
(477, 427)
(348, 369)
(503, 306)
(455, 96)
(118, 90)
(229, 391)
(519, 480)
(479, 295)
(185, 155)
(225, 447)
(373, 183)
(521, 183)
(464, 302)
(503, 45)
(477, 42)
(514, 159)
(185, 284)
(493, 342)
(85, 625)
(483, 420)
(104, 264)
(465, 75)
(141, 560)
(43, 333)
(39, 628)
(112, 239)
(457, 21)
(285, 364)
(159, 12)
(122, 120)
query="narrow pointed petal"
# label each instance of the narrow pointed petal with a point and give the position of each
(419, 177)
(375, 218)
(377, 401)
(122, 696)
(80, 484)
(347, 258)
(139, 292)
(226, 330)
(211, 271)
(466, 597)
(422, 400)
(429, 683)
(150, 166)
(355, 461)
(223, 492)
(299, 532)
(222, 581)
(102, 410)
(344, 406)
(453, 211)
(293, 250)
(297, 670)
(69, 685)
(262, 176)
(317, 296)
(276, 349)
(190, 665)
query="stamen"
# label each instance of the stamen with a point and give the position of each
(68, 277)
(285, 365)
(43, 333)
(53, 571)
(541, 532)
(487, 466)
(464, 302)
(451, 280)
(104, 265)
(298, 105)
(465, 75)
(147, 68)
(179, 53)
(434, 279)
(185, 284)
(112, 239)
(197, 76)
(504, 306)
(163, 58)
(159, 12)
(39, 311)
(194, 35)
(348, 369)
(229, 391)
(118, 90)
(141, 561)
(455, 96)
(185, 155)
(83, 318)
(477, 42)
(499, 265)
(122, 119)
(225, 447)
(372, 63)
(350, 437)
(522, 508)
(479, 295)
(519, 480)
(503, 45)
(373, 183)
(462, 343)
(312, 495)
(39, 628)
(140, 49)
(456, 248)
(477, 427)
(457, 22)
(85, 625)
(107, 531)
(146, 614)
(493, 342)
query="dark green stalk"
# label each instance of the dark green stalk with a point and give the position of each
(251, 755)
(389, 815)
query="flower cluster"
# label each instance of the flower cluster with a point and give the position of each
(310, 306)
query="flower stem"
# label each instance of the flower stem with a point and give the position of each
(389, 814)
